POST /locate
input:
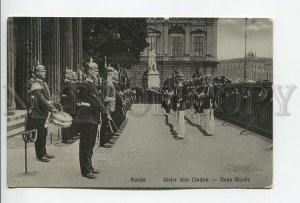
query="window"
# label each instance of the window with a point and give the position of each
(198, 42)
(176, 46)
(152, 44)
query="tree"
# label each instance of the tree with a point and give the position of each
(121, 40)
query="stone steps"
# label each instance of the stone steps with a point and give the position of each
(16, 123)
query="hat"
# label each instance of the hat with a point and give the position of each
(180, 77)
(74, 74)
(91, 65)
(110, 69)
(39, 68)
(68, 71)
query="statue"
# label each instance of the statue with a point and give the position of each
(152, 61)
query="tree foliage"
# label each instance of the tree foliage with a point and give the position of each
(121, 40)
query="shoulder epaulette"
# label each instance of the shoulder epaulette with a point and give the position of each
(36, 86)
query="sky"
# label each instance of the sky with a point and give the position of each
(231, 37)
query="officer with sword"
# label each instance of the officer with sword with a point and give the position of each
(88, 119)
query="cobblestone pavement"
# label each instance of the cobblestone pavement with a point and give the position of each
(146, 155)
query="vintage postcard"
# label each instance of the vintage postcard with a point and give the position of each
(139, 102)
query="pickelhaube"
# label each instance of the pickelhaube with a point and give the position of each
(91, 65)
(180, 77)
(39, 68)
(110, 69)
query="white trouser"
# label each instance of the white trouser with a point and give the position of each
(181, 125)
(172, 118)
(202, 117)
(209, 118)
(175, 121)
(197, 119)
(193, 116)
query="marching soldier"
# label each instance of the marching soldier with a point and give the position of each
(197, 74)
(41, 106)
(199, 104)
(181, 95)
(88, 119)
(208, 106)
(173, 105)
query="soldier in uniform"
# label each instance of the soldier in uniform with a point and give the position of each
(181, 97)
(107, 131)
(173, 107)
(41, 106)
(119, 112)
(199, 105)
(208, 106)
(197, 73)
(68, 101)
(88, 119)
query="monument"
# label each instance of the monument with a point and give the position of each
(153, 74)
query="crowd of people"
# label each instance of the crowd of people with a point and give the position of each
(97, 105)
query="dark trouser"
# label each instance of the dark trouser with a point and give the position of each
(114, 116)
(69, 133)
(88, 132)
(105, 132)
(40, 144)
(119, 115)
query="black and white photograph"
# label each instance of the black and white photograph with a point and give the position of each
(157, 102)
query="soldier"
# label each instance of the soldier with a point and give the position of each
(119, 112)
(68, 101)
(199, 100)
(181, 96)
(88, 119)
(173, 107)
(208, 106)
(106, 131)
(197, 73)
(41, 106)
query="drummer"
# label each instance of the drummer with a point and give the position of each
(41, 106)
(88, 119)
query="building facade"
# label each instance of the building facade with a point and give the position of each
(256, 68)
(54, 42)
(185, 43)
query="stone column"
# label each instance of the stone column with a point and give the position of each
(208, 40)
(214, 38)
(77, 43)
(187, 39)
(28, 51)
(11, 65)
(51, 56)
(166, 38)
(69, 44)
(63, 41)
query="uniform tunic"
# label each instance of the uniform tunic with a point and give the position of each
(106, 131)
(88, 119)
(68, 101)
(181, 99)
(209, 110)
(41, 106)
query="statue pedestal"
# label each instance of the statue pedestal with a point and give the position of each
(153, 79)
